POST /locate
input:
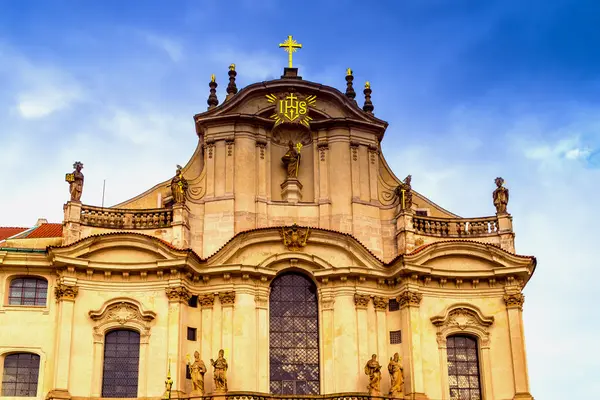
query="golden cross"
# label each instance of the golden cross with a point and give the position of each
(290, 46)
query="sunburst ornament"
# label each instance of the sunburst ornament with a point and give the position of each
(292, 108)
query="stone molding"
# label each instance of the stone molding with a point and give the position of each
(261, 300)
(65, 292)
(361, 300)
(206, 300)
(227, 298)
(409, 299)
(121, 312)
(380, 303)
(514, 300)
(462, 318)
(178, 294)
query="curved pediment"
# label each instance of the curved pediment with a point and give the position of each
(256, 101)
(468, 256)
(117, 249)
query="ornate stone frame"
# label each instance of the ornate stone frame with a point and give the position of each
(466, 319)
(120, 313)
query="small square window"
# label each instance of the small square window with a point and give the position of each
(191, 334)
(395, 337)
(421, 213)
(394, 305)
(193, 301)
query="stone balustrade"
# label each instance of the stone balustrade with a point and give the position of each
(455, 227)
(267, 396)
(126, 219)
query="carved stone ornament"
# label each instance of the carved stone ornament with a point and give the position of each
(514, 300)
(361, 300)
(122, 312)
(294, 237)
(65, 292)
(206, 300)
(380, 303)
(408, 298)
(179, 293)
(462, 318)
(227, 298)
(282, 134)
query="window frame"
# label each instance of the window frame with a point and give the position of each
(9, 283)
(477, 361)
(116, 344)
(10, 350)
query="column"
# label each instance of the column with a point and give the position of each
(206, 302)
(323, 179)
(178, 296)
(227, 300)
(65, 296)
(411, 330)
(344, 340)
(381, 304)
(261, 301)
(514, 307)
(361, 302)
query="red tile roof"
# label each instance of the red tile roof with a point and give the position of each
(46, 231)
(423, 247)
(6, 232)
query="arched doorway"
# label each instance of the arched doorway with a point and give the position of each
(294, 335)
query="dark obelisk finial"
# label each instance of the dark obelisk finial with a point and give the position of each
(231, 87)
(212, 101)
(350, 93)
(368, 106)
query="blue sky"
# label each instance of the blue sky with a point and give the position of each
(472, 90)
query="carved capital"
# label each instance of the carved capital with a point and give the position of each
(327, 303)
(206, 300)
(261, 300)
(514, 300)
(65, 292)
(361, 300)
(409, 299)
(380, 303)
(227, 298)
(178, 294)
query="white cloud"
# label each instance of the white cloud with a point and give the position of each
(173, 48)
(42, 101)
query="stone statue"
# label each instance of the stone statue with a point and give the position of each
(220, 372)
(197, 371)
(179, 187)
(500, 197)
(75, 180)
(373, 370)
(291, 160)
(404, 193)
(396, 377)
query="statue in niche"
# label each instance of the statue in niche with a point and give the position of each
(75, 180)
(397, 379)
(373, 370)
(500, 196)
(404, 193)
(179, 186)
(197, 371)
(291, 160)
(220, 372)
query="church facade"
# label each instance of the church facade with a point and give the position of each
(286, 242)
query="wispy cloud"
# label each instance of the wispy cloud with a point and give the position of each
(172, 47)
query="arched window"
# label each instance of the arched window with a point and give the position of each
(28, 292)
(294, 335)
(20, 376)
(463, 368)
(121, 363)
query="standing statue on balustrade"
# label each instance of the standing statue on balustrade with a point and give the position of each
(396, 377)
(179, 186)
(500, 197)
(404, 193)
(373, 370)
(75, 180)
(197, 371)
(220, 372)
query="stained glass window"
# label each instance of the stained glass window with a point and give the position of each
(463, 368)
(121, 364)
(28, 292)
(294, 335)
(20, 377)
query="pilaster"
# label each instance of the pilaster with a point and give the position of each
(380, 304)
(410, 301)
(514, 308)
(65, 297)
(228, 300)
(206, 302)
(327, 348)
(178, 296)
(261, 301)
(361, 302)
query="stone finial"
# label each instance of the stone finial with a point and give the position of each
(368, 106)
(231, 87)
(212, 101)
(350, 93)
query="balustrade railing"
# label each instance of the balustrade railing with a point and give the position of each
(126, 219)
(267, 396)
(455, 227)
